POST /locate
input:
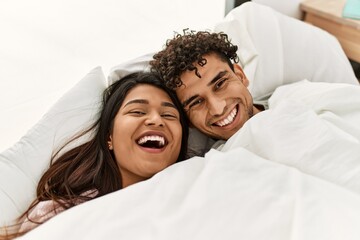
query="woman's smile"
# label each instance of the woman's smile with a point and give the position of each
(152, 142)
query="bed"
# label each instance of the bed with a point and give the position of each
(292, 172)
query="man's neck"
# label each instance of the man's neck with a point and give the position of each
(258, 108)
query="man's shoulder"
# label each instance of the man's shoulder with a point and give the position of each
(263, 100)
(308, 92)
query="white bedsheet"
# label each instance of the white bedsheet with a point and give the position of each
(314, 127)
(291, 172)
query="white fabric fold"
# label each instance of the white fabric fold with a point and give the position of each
(291, 173)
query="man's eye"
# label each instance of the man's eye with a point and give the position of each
(220, 83)
(196, 102)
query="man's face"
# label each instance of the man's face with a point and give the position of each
(218, 103)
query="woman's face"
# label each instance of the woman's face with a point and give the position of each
(147, 133)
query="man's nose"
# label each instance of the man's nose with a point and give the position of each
(216, 106)
(154, 119)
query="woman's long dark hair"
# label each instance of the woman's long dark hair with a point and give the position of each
(92, 165)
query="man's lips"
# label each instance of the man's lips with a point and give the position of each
(228, 119)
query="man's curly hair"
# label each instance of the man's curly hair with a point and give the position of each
(181, 52)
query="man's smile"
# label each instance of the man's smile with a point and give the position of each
(228, 119)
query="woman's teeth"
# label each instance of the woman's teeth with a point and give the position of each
(153, 138)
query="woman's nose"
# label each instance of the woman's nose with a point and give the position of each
(154, 119)
(216, 106)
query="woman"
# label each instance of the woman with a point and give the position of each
(141, 130)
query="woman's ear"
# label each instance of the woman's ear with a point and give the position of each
(110, 144)
(240, 73)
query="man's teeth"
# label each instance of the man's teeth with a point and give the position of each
(228, 120)
(153, 138)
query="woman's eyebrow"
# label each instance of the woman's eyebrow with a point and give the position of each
(168, 104)
(141, 101)
(144, 101)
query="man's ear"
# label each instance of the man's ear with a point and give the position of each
(240, 73)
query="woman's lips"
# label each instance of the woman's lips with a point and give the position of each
(152, 142)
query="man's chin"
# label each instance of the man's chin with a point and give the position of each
(224, 134)
(220, 135)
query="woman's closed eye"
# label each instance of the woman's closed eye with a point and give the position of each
(169, 115)
(137, 112)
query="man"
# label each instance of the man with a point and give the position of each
(212, 89)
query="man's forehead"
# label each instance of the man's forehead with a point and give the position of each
(189, 76)
(193, 84)
(183, 92)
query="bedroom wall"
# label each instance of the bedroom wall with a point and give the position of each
(47, 46)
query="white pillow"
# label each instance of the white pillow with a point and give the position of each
(22, 165)
(274, 50)
(140, 63)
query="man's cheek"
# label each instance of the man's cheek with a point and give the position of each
(198, 122)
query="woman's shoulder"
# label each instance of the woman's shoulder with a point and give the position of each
(45, 210)
(40, 213)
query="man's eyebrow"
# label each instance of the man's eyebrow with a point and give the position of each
(217, 77)
(188, 101)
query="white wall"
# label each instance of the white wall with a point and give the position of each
(47, 46)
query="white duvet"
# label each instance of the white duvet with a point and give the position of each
(292, 172)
